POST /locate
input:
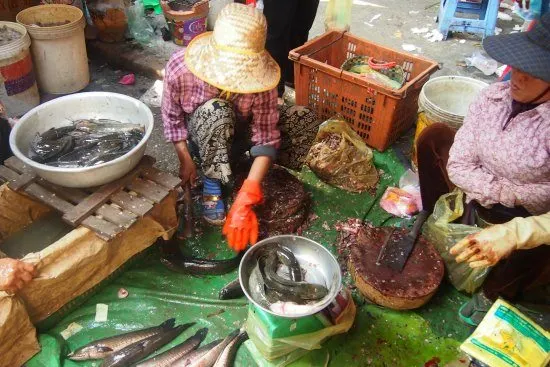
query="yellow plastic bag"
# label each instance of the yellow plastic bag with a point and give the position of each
(507, 338)
(341, 158)
(440, 230)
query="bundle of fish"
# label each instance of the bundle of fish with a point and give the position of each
(85, 143)
(388, 74)
(286, 203)
(277, 280)
(130, 348)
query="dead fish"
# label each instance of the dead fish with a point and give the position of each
(104, 347)
(196, 354)
(190, 265)
(167, 358)
(227, 357)
(51, 144)
(303, 290)
(141, 349)
(106, 126)
(231, 290)
(208, 359)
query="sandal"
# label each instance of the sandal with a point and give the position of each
(473, 311)
(213, 207)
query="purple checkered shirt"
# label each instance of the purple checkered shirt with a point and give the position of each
(184, 93)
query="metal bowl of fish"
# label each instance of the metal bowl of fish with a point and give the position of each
(84, 139)
(290, 276)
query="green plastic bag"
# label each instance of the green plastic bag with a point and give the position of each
(283, 350)
(440, 230)
(338, 15)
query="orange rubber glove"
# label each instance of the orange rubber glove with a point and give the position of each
(241, 225)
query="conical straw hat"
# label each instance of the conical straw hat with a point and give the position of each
(233, 57)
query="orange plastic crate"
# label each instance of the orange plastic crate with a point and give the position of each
(377, 113)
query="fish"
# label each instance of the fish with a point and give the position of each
(303, 290)
(196, 354)
(51, 144)
(102, 348)
(286, 257)
(231, 290)
(106, 125)
(227, 358)
(85, 143)
(136, 352)
(209, 358)
(167, 358)
(256, 286)
(195, 266)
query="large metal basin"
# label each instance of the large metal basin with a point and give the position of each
(316, 260)
(62, 111)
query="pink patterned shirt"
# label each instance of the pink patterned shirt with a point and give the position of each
(510, 166)
(184, 93)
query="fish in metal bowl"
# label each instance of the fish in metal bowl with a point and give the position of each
(289, 276)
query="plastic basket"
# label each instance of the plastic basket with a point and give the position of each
(377, 113)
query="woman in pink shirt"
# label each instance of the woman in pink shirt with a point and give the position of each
(500, 158)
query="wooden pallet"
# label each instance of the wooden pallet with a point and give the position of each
(107, 210)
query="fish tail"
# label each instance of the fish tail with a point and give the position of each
(168, 324)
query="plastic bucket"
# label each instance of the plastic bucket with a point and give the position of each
(445, 99)
(18, 90)
(186, 25)
(59, 51)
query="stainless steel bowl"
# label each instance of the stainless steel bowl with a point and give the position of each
(61, 112)
(319, 264)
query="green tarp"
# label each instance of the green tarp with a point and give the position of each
(380, 337)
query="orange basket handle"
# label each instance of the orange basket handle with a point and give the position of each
(379, 64)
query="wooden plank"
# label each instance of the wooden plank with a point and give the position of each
(17, 165)
(68, 193)
(162, 178)
(49, 198)
(148, 189)
(105, 230)
(7, 174)
(23, 181)
(122, 218)
(98, 198)
(131, 203)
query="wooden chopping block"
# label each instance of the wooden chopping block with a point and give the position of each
(412, 288)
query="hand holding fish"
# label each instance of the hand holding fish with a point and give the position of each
(188, 170)
(14, 274)
(241, 225)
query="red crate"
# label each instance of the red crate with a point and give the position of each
(377, 113)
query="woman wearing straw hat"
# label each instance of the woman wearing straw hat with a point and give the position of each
(221, 93)
(500, 158)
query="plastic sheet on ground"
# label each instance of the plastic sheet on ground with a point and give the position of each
(379, 337)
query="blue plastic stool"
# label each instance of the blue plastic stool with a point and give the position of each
(486, 10)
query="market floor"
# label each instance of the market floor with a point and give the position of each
(379, 337)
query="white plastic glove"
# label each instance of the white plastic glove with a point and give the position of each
(494, 243)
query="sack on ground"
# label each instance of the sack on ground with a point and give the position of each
(340, 158)
(443, 233)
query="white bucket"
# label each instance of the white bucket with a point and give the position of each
(18, 90)
(447, 98)
(59, 52)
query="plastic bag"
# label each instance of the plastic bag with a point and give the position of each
(398, 202)
(338, 15)
(341, 158)
(289, 348)
(487, 65)
(440, 230)
(506, 337)
(138, 26)
(109, 18)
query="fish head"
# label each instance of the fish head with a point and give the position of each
(90, 352)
